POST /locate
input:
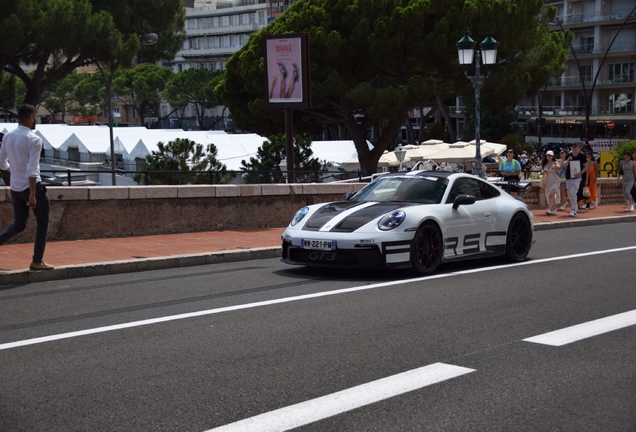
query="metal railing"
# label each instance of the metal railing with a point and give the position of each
(68, 177)
(619, 14)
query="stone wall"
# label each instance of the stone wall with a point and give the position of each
(105, 211)
(95, 212)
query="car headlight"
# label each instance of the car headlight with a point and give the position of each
(392, 220)
(300, 215)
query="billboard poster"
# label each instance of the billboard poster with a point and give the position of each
(286, 61)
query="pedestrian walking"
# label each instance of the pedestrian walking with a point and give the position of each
(6, 176)
(20, 155)
(551, 180)
(628, 171)
(592, 174)
(574, 172)
(563, 189)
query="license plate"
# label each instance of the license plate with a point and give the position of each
(324, 245)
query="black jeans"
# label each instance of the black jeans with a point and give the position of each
(21, 216)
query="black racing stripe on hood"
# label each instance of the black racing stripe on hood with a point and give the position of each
(365, 215)
(353, 221)
(328, 212)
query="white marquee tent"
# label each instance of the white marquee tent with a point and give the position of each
(137, 142)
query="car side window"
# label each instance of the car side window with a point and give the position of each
(464, 186)
(488, 191)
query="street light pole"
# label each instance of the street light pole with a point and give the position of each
(146, 40)
(466, 51)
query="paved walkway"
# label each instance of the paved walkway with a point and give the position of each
(120, 255)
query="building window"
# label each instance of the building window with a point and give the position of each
(620, 103)
(225, 21)
(621, 73)
(587, 45)
(261, 18)
(253, 18)
(586, 71)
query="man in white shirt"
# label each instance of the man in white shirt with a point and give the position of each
(20, 154)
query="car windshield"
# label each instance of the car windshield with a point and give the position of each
(420, 190)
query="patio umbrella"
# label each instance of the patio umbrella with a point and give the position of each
(459, 152)
(388, 159)
(495, 148)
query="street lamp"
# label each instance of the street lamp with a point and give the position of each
(146, 40)
(488, 53)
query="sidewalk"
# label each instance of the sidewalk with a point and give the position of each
(94, 257)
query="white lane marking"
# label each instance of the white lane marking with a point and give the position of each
(327, 406)
(132, 324)
(585, 330)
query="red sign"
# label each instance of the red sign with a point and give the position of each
(610, 124)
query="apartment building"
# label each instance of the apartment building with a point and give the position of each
(601, 59)
(216, 29)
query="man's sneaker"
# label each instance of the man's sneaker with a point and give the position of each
(41, 266)
(562, 208)
(630, 208)
(573, 213)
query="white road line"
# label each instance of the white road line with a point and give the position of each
(327, 406)
(132, 324)
(585, 330)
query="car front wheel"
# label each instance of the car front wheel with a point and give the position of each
(426, 250)
(519, 238)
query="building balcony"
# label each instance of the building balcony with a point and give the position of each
(599, 49)
(207, 52)
(217, 31)
(601, 81)
(572, 111)
(594, 17)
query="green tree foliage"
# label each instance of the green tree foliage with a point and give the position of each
(59, 97)
(493, 128)
(90, 95)
(142, 86)
(187, 162)
(7, 93)
(193, 86)
(57, 36)
(264, 168)
(619, 148)
(388, 56)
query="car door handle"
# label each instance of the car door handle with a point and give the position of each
(487, 215)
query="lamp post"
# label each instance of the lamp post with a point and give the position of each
(488, 53)
(146, 40)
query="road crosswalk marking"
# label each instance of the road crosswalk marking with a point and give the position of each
(327, 406)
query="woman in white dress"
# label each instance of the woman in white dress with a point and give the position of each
(552, 181)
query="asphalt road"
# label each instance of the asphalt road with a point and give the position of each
(264, 345)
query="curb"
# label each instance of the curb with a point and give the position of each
(22, 277)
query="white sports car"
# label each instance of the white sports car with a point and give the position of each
(416, 219)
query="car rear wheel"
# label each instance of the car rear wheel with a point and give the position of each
(519, 238)
(426, 250)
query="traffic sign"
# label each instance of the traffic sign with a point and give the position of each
(610, 124)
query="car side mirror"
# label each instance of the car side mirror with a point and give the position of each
(349, 195)
(463, 200)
